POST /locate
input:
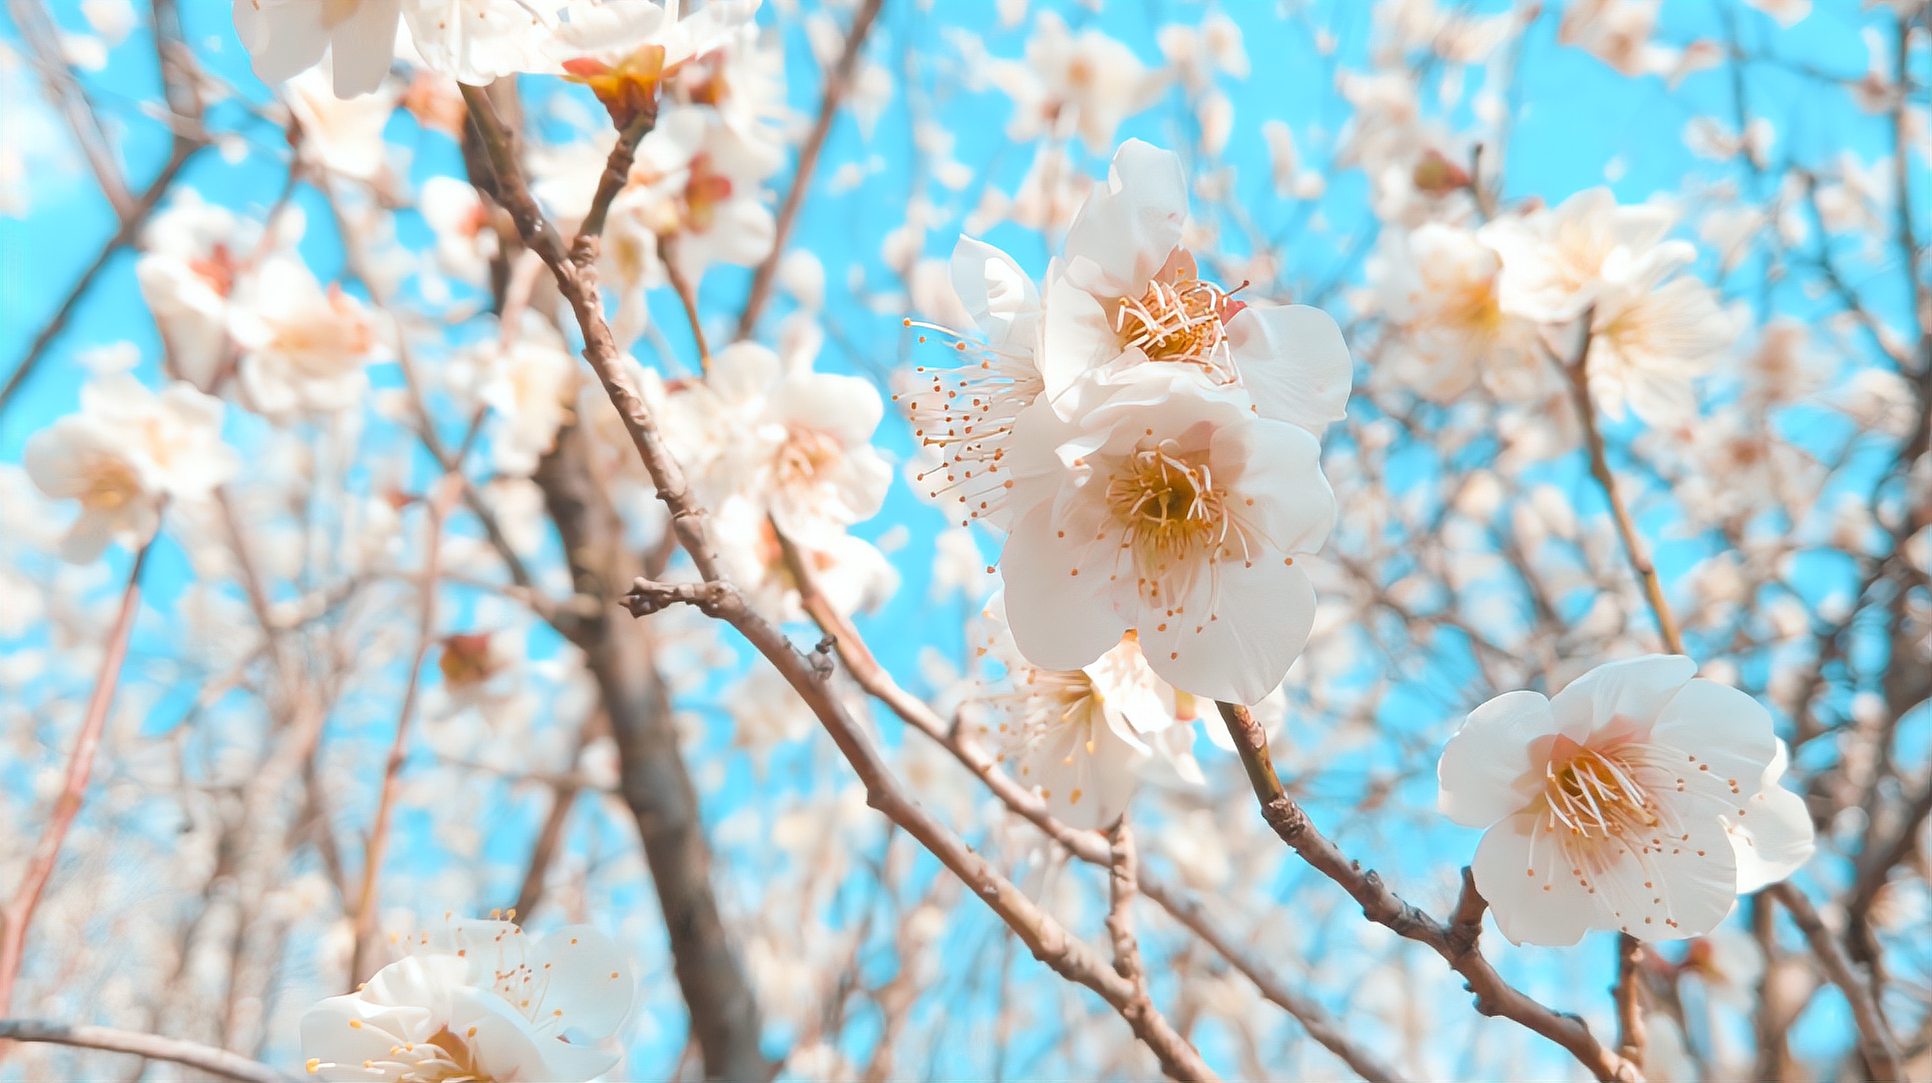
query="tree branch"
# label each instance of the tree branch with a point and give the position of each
(150, 1046)
(1456, 943)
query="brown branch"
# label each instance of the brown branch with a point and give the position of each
(715, 596)
(83, 120)
(653, 780)
(139, 213)
(18, 913)
(363, 913)
(1088, 846)
(149, 1046)
(1629, 996)
(837, 83)
(1875, 1041)
(1050, 943)
(1456, 943)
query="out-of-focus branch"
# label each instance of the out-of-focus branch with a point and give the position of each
(18, 913)
(1456, 943)
(1875, 1041)
(83, 120)
(194, 1055)
(1088, 846)
(837, 82)
(143, 207)
(1049, 942)
(363, 912)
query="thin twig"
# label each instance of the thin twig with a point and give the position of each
(18, 914)
(1456, 943)
(1088, 846)
(1875, 1040)
(204, 1058)
(364, 914)
(1044, 937)
(837, 82)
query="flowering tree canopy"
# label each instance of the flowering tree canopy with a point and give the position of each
(581, 539)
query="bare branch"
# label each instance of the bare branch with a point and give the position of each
(150, 1046)
(1457, 943)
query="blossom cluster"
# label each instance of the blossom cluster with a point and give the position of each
(1250, 459)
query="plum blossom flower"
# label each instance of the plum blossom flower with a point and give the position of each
(799, 442)
(1080, 738)
(194, 255)
(126, 452)
(478, 1001)
(1124, 296)
(1554, 259)
(1173, 511)
(1126, 293)
(623, 49)
(1639, 798)
(1438, 286)
(304, 348)
(471, 41)
(1069, 84)
(1650, 333)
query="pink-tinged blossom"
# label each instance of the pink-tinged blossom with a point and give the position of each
(1640, 798)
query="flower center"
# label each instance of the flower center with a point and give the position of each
(1179, 321)
(1594, 796)
(111, 485)
(1169, 510)
(804, 455)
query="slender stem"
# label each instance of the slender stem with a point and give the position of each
(205, 1058)
(1875, 1040)
(1455, 942)
(1628, 994)
(1088, 846)
(1049, 942)
(364, 917)
(836, 85)
(18, 914)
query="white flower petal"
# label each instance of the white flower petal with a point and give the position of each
(1527, 882)
(1293, 362)
(1485, 773)
(1232, 640)
(1055, 604)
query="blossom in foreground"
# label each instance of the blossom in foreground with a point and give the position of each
(1124, 296)
(1175, 512)
(126, 452)
(1125, 293)
(478, 1001)
(1640, 798)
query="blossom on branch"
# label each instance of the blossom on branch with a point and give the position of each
(1640, 798)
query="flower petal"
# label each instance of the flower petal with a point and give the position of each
(1293, 362)
(1486, 773)
(1055, 600)
(1633, 690)
(1235, 635)
(1526, 879)
(587, 979)
(1127, 229)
